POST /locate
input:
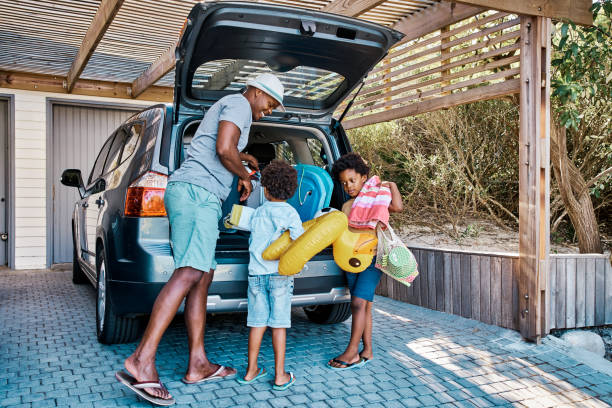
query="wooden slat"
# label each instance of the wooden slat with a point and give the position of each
(456, 269)
(431, 279)
(351, 8)
(515, 294)
(570, 293)
(608, 291)
(552, 288)
(580, 293)
(424, 278)
(448, 283)
(466, 281)
(473, 95)
(485, 289)
(561, 296)
(574, 10)
(433, 18)
(50, 83)
(600, 265)
(416, 284)
(439, 266)
(475, 285)
(496, 291)
(506, 293)
(589, 304)
(104, 16)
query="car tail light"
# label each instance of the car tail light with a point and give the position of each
(145, 196)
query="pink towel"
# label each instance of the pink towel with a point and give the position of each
(371, 205)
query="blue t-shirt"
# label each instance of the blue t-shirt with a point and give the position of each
(268, 222)
(202, 166)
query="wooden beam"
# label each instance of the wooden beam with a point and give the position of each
(577, 11)
(104, 16)
(351, 8)
(473, 95)
(434, 18)
(534, 176)
(160, 67)
(51, 83)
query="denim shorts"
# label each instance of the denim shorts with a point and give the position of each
(193, 214)
(270, 301)
(363, 284)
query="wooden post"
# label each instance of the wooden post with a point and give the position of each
(534, 177)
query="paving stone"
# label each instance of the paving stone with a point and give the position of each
(434, 359)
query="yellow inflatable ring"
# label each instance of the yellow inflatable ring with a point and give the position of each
(353, 252)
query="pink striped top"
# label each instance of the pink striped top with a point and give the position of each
(371, 205)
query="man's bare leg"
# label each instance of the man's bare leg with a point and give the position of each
(367, 351)
(141, 364)
(255, 337)
(195, 319)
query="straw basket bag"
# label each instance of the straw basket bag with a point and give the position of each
(393, 257)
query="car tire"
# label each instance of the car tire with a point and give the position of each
(110, 327)
(328, 314)
(78, 276)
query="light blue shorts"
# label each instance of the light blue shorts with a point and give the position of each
(270, 301)
(194, 215)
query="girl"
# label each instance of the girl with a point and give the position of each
(353, 173)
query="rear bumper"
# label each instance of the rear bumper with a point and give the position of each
(131, 298)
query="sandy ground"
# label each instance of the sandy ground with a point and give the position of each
(477, 235)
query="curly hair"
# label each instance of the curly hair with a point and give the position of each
(350, 161)
(280, 179)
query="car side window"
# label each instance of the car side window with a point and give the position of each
(285, 152)
(133, 136)
(114, 153)
(98, 166)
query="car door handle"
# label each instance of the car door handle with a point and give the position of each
(85, 205)
(100, 202)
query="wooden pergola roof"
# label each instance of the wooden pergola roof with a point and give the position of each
(123, 48)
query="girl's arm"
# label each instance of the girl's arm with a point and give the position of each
(396, 198)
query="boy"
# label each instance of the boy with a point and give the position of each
(269, 296)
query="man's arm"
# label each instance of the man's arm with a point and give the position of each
(227, 150)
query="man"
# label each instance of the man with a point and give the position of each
(193, 202)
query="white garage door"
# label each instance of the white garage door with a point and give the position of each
(78, 134)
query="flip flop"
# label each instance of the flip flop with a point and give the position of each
(262, 373)
(214, 376)
(365, 359)
(349, 366)
(138, 387)
(285, 385)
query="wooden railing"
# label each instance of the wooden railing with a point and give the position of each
(484, 286)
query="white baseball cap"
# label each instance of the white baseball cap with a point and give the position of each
(271, 85)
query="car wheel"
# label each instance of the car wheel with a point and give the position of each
(328, 314)
(78, 276)
(110, 327)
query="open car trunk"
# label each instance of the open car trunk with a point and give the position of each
(304, 147)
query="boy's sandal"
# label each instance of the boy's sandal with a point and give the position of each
(139, 388)
(262, 373)
(286, 385)
(347, 366)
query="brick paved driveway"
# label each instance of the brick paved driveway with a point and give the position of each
(49, 356)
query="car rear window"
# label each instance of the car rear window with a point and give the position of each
(301, 82)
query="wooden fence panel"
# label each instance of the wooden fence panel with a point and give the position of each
(484, 287)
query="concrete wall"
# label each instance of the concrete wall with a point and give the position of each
(29, 179)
